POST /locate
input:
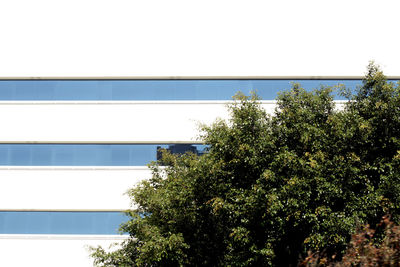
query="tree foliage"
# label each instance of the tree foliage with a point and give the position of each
(271, 188)
(365, 249)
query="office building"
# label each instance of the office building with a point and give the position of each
(70, 148)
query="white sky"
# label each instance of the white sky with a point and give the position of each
(203, 37)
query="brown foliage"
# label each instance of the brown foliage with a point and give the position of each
(365, 248)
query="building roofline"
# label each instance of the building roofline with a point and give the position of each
(44, 78)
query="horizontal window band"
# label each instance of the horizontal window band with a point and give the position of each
(62, 210)
(224, 77)
(89, 154)
(62, 237)
(160, 142)
(75, 168)
(112, 102)
(222, 89)
(144, 102)
(61, 222)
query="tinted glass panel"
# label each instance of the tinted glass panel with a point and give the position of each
(37, 222)
(87, 154)
(151, 89)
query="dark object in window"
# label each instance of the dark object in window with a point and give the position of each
(178, 149)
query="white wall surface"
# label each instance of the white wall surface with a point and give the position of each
(142, 121)
(108, 121)
(50, 250)
(70, 188)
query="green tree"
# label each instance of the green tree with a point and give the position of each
(271, 188)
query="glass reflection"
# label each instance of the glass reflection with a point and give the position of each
(181, 149)
(57, 222)
(152, 89)
(88, 154)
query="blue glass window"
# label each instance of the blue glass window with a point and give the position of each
(57, 222)
(88, 154)
(151, 89)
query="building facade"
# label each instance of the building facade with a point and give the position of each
(70, 149)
